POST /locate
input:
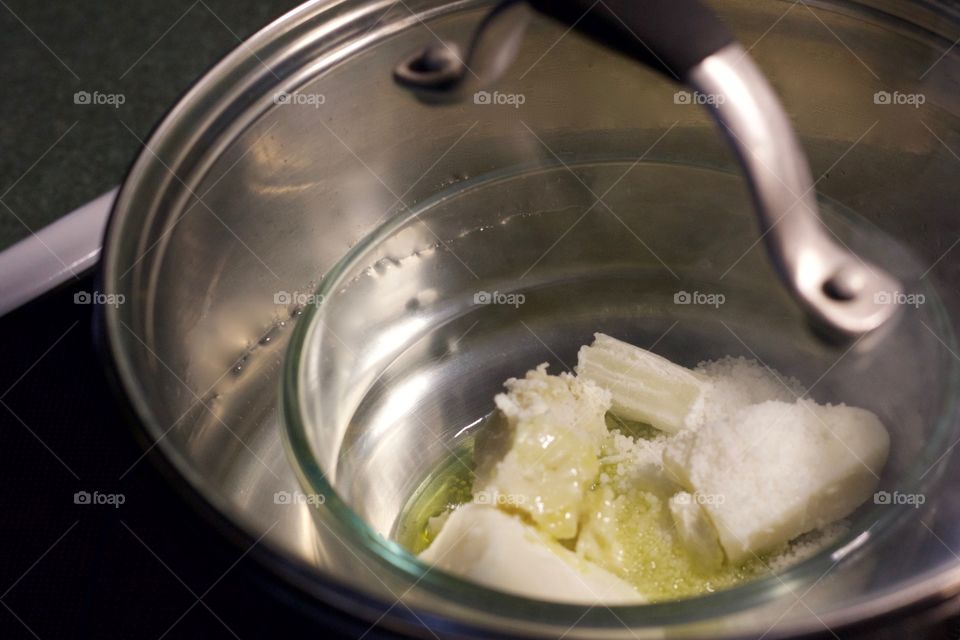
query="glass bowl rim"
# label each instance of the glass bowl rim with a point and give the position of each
(395, 558)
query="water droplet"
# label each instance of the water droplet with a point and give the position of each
(267, 337)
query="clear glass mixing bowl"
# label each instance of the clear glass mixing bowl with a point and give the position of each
(398, 355)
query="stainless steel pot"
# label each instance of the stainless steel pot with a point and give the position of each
(290, 153)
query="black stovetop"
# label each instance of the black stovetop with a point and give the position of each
(150, 567)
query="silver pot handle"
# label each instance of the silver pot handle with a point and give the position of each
(835, 287)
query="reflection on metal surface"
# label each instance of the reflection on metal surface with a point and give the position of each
(198, 295)
(442, 71)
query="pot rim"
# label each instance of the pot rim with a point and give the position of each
(207, 96)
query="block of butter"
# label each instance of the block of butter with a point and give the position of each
(498, 550)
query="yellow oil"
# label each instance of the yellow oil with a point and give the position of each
(448, 486)
(656, 562)
(653, 560)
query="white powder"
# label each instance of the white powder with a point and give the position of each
(639, 462)
(734, 384)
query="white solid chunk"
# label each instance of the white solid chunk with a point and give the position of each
(776, 470)
(499, 551)
(541, 453)
(644, 387)
(695, 530)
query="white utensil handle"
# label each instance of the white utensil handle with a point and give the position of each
(51, 256)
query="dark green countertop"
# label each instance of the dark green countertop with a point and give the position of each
(56, 154)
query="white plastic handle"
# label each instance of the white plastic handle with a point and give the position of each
(51, 256)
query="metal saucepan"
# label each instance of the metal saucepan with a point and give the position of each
(298, 163)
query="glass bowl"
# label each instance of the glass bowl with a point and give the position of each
(394, 364)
